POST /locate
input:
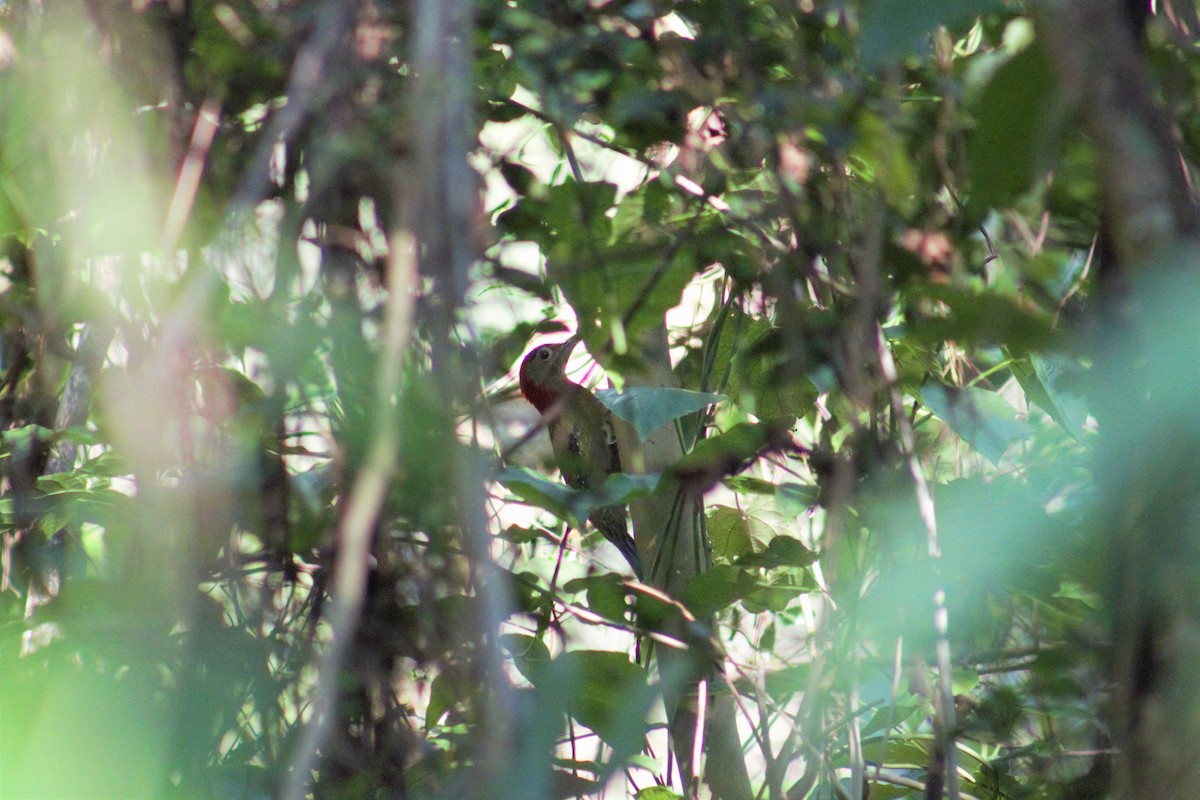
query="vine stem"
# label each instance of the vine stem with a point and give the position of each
(362, 510)
(941, 617)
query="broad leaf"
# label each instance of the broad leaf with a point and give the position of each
(1020, 117)
(725, 454)
(657, 793)
(1064, 402)
(782, 551)
(980, 318)
(570, 504)
(980, 417)
(538, 490)
(649, 407)
(880, 153)
(529, 654)
(892, 29)
(720, 587)
(619, 488)
(729, 533)
(610, 695)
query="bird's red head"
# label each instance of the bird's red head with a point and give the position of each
(543, 373)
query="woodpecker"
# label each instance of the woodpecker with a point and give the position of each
(581, 433)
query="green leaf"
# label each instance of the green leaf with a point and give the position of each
(912, 752)
(631, 292)
(610, 695)
(108, 464)
(748, 484)
(964, 680)
(766, 642)
(981, 318)
(20, 439)
(642, 208)
(529, 653)
(724, 454)
(58, 508)
(620, 487)
(441, 698)
(788, 681)
(776, 399)
(538, 490)
(619, 281)
(883, 154)
(782, 551)
(720, 587)
(80, 435)
(774, 597)
(748, 360)
(569, 783)
(982, 418)
(1073, 590)
(655, 611)
(796, 498)
(569, 504)
(657, 793)
(606, 593)
(608, 598)
(1062, 401)
(1020, 118)
(568, 220)
(729, 533)
(649, 117)
(518, 534)
(893, 29)
(737, 534)
(649, 407)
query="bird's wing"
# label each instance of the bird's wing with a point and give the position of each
(570, 449)
(610, 441)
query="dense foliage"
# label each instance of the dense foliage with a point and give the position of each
(258, 404)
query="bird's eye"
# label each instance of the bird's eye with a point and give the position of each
(544, 353)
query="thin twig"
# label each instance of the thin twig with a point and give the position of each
(310, 73)
(897, 664)
(945, 704)
(208, 120)
(887, 365)
(908, 783)
(362, 510)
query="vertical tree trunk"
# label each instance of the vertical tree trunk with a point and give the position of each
(441, 205)
(670, 524)
(1145, 399)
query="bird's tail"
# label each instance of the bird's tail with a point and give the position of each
(611, 522)
(628, 549)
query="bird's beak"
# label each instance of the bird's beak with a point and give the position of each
(563, 353)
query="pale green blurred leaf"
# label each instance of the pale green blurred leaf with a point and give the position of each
(982, 418)
(1019, 121)
(892, 29)
(649, 407)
